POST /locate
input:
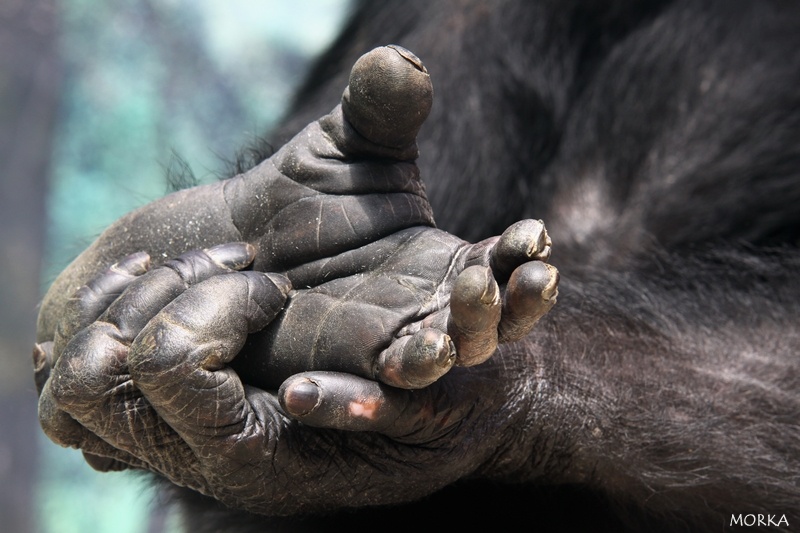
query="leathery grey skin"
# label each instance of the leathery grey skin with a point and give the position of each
(319, 274)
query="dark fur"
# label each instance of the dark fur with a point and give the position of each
(660, 142)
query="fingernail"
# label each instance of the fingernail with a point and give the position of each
(541, 247)
(446, 355)
(42, 361)
(491, 292)
(282, 283)
(408, 56)
(551, 289)
(437, 347)
(301, 398)
(134, 264)
(235, 255)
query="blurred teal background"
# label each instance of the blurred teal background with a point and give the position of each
(95, 100)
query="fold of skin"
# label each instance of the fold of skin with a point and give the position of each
(657, 379)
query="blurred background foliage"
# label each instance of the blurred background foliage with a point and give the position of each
(96, 98)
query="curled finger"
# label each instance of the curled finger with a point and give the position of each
(346, 402)
(92, 299)
(522, 242)
(417, 360)
(180, 359)
(92, 370)
(148, 294)
(65, 430)
(351, 403)
(475, 308)
(530, 293)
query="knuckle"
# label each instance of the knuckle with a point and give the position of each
(88, 368)
(156, 351)
(192, 266)
(197, 265)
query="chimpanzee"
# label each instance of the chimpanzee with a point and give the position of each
(303, 347)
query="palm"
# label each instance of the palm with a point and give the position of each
(345, 324)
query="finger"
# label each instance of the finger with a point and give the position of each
(58, 425)
(475, 308)
(179, 360)
(148, 294)
(346, 402)
(104, 464)
(361, 157)
(92, 299)
(93, 384)
(530, 293)
(368, 143)
(524, 241)
(415, 361)
(343, 401)
(388, 97)
(65, 430)
(90, 370)
(93, 405)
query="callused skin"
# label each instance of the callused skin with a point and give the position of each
(350, 295)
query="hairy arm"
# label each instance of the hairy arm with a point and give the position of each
(674, 388)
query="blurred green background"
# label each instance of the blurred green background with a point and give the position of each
(95, 100)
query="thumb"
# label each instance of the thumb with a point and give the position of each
(387, 100)
(336, 400)
(389, 96)
(355, 167)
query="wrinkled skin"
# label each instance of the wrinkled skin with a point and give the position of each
(352, 297)
(659, 140)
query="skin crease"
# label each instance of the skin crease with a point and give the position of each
(365, 290)
(658, 141)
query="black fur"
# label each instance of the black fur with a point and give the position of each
(660, 142)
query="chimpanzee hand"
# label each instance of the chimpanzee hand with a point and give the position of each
(421, 300)
(346, 180)
(148, 384)
(145, 382)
